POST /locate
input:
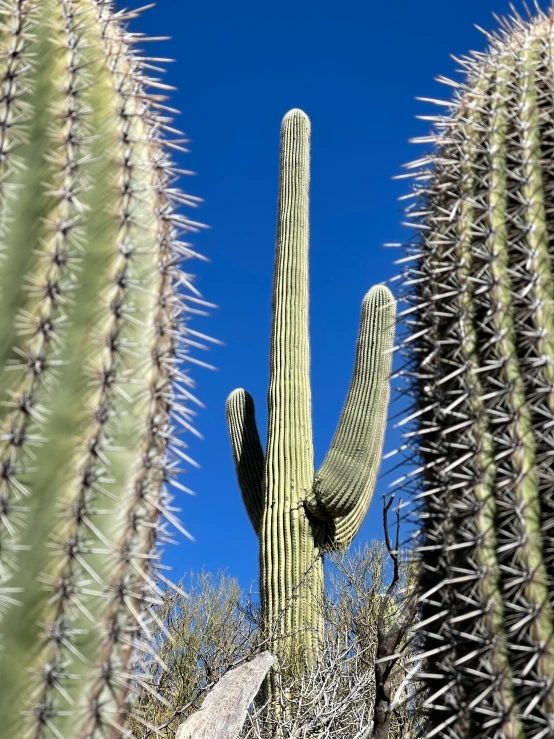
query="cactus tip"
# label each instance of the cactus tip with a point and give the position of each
(380, 293)
(239, 392)
(296, 117)
(294, 113)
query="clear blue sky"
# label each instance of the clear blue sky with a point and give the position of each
(356, 68)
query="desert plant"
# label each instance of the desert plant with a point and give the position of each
(200, 636)
(92, 337)
(480, 358)
(202, 630)
(298, 516)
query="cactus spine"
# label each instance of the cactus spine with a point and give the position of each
(91, 333)
(480, 288)
(297, 515)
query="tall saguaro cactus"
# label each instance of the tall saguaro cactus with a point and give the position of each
(297, 515)
(480, 281)
(91, 336)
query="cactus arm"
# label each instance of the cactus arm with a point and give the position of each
(247, 451)
(346, 479)
(340, 532)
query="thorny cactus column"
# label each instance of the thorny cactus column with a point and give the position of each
(91, 333)
(481, 359)
(297, 515)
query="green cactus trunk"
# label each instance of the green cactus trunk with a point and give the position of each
(481, 352)
(296, 514)
(291, 565)
(89, 336)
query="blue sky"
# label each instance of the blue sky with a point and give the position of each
(355, 68)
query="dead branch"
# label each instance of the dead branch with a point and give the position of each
(390, 637)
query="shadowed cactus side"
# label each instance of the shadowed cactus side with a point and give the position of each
(480, 354)
(298, 515)
(92, 334)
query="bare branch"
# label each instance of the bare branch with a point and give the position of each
(390, 638)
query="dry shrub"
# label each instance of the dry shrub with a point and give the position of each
(200, 635)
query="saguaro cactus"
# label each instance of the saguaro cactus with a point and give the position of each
(481, 357)
(91, 334)
(298, 516)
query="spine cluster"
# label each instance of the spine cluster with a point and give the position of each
(479, 351)
(94, 345)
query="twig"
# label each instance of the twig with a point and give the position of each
(389, 639)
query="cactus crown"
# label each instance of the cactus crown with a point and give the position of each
(296, 513)
(479, 354)
(92, 340)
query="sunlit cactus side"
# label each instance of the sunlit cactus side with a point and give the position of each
(479, 352)
(297, 514)
(93, 341)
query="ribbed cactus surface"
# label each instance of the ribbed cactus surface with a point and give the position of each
(480, 354)
(91, 336)
(296, 513)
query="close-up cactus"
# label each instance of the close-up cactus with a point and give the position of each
(479, 350)
(93, 337)
(296, 514)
